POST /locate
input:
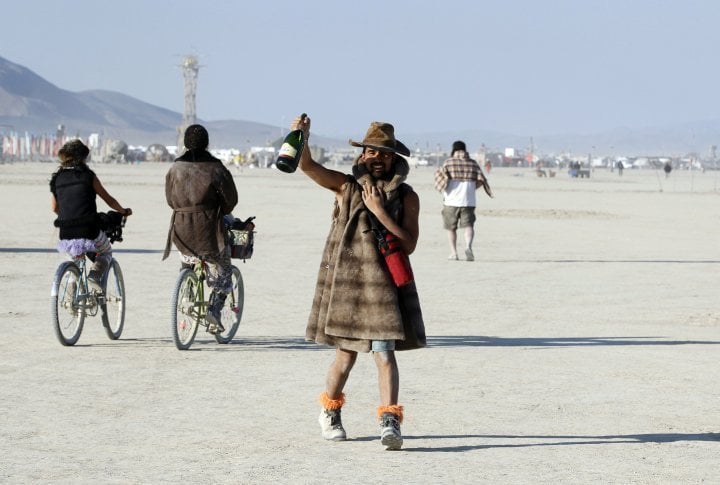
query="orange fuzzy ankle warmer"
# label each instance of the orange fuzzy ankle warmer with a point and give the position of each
(332, 404)
(395, 409)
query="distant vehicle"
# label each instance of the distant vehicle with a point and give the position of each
(414, 162)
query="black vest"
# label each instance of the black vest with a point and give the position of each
(75, 195)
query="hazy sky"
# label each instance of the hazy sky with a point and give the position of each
(526, 67)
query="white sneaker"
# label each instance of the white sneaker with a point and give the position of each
(331, 425)
(390, 436)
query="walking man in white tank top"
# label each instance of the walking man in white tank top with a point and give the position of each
(458, 178)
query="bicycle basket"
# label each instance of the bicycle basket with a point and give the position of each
(241, 243)
(111, 223)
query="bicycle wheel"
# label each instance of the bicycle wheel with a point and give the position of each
(68, 307)
(113, 310)
(232, 311)
(184, 318)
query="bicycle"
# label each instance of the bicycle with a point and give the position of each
(189, 306)
(72, 299)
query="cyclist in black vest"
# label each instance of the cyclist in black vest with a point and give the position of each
(74, 188)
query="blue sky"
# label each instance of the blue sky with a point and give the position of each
(526, 67)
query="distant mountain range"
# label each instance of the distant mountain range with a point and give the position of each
(674, 140)
(30, 103)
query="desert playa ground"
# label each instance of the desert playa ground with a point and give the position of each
(581, 346)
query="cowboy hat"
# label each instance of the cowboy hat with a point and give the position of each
(381, 136)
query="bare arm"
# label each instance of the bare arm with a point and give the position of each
(482, 181)
(54, 205)
(324, 177)
(408, 230)
(109, 199)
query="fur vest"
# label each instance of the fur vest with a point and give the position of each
(355, 299)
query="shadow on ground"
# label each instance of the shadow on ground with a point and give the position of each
(549, 440)
(484, 341)
(203, 343)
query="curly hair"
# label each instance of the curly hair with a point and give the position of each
(73, 152)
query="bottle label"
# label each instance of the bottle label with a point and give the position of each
(287, 150)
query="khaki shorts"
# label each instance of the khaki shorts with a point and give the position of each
(454, 217)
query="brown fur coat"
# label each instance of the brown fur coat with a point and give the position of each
(355, 299)
(200, 191)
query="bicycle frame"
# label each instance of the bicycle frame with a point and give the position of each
(200, 305)
(190, 305)
(74, 295)
(86, 300)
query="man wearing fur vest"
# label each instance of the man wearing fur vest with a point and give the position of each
(358, 305)
(201, 190)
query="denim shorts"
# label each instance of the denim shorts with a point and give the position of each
(382, 345)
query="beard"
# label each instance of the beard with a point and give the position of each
(384, 173)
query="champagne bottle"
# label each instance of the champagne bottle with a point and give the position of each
(291, 149)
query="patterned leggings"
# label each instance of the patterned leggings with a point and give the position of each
(219, 270)
(103, 257)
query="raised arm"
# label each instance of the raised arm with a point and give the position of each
(325, 177)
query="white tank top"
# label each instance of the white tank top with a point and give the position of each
(459, 193)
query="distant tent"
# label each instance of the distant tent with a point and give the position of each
(157, 153)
